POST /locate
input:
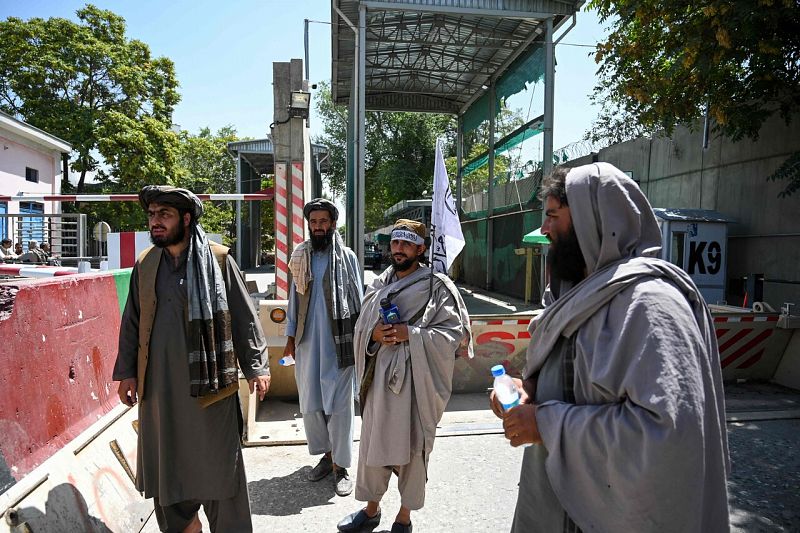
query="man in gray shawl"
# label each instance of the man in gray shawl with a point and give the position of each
(187, 322)
(324, 302)
(622, 388)
(406, 372)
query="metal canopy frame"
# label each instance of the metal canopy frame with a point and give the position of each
(434, 55)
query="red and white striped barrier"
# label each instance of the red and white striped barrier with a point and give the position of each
(125, 247)
(265, 195)
(35, 271)
(289, 203)
(298, 202)
(743, 339)
(281, 231)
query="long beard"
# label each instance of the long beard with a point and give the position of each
(171, 238)
(565, 258)
(321, 242)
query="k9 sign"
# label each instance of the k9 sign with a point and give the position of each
(704, 255)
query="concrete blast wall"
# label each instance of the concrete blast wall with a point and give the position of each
(59, 346)
(729, 177)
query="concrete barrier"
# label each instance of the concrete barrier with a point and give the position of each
(59, 346)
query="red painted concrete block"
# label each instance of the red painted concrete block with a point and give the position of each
(59, 343)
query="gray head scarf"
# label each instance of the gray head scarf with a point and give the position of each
(613, 220)
(620, 241)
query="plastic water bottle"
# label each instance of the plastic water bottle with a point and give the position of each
(504, 388)
(286, 361)
(389, 312)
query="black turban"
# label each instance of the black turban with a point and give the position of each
(172, 197)
(321, 204)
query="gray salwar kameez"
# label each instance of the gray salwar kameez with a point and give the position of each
(187, 453)
(411, 384)
(325, 390)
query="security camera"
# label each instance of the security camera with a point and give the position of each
(313, 85)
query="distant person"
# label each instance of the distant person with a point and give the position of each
(51, 259)
(34, 254)
(18, 249)
(187, 322)
(622, 396)
(6, 253)
(406, 376)
(324, 302)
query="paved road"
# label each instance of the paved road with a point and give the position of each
(473, 484)
(473, 478)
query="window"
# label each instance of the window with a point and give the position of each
(677, 249)
(3, 221)
(31, 174)
(31, 227)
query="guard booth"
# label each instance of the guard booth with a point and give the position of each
(534, 244)
(697, 241)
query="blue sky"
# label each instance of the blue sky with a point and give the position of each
(223, 54)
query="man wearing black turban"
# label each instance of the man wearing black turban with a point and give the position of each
(324, 302)
(187, 322)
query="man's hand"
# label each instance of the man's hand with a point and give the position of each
(127, 392)
(497, 407)
(289, 348)
(520, 426)
(260, 384)
(387, 334)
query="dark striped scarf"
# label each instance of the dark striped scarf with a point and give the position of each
(212, 361)
(345, 301)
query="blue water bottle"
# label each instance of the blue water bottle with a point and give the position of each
(389, 312)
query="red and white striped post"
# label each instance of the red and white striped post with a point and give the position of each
(281, 232)
(298, 202)
(289, 221)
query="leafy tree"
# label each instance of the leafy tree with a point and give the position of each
(205, 167)
(90, 85)
(667, 62)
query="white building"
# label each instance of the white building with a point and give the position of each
(31, 162)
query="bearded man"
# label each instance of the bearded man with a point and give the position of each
(406, 376)
(187, 322)
(324, 302)
(622, 392)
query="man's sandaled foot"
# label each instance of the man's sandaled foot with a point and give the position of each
(397, 527)
(322, 469)
(344, 485)
(358, 520)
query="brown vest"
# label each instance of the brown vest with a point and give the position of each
(148, 262)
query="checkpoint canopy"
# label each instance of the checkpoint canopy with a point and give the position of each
(461, 57)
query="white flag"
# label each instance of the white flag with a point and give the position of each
(448, 240)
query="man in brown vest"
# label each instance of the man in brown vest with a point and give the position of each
(187, 322)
